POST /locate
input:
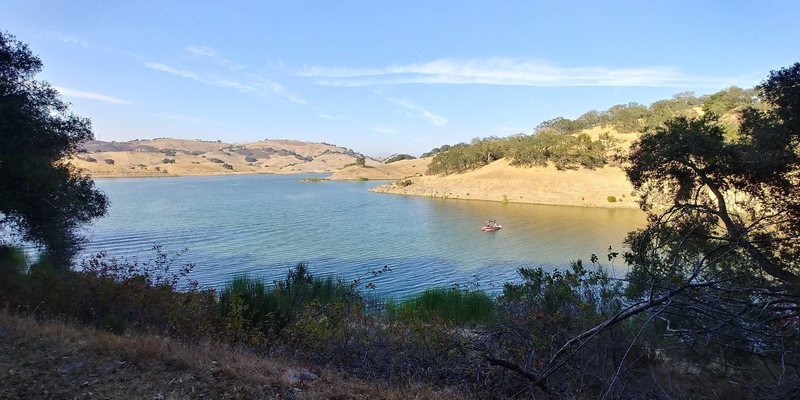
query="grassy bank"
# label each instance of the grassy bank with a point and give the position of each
(152, 324)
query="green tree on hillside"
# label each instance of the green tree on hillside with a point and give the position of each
(41, 196)
(728, 100)
(716, 272)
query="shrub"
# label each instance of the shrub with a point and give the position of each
(89, 159)
(451, 305)
(404, 182)
(362, 179)
(612, 199)
(227, 166)
(399, 157)
(169, 153)
(109, 161)
(250, 304)
(216, 160)
(250, 158)
(168, 161)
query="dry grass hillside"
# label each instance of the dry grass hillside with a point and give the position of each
(379, 171)
(178, 157)
(606, 187)
(500, 181)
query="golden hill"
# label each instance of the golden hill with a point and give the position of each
(379, 171)
(500, 181)
(179, 157)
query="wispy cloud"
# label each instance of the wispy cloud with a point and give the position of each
(408, 106)
(242, 82)
(326, 116)
(79, 94)
(74, 40)
(380, 129)
(513, 72)
(202, 51)
(173, 71)
(212, 54)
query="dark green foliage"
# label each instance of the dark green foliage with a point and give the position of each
(564, 151)
(41, 196)
(612, 199)
(109, 161)
(404, 182)
(436, 150)
(227, 166)
(216, 160)
(89, 159)
(254, 305)
(169, 153)
(547, 309)
(399, 157)
(721, 247)
(728, 100)
(168, 161)
(782, 90)
(250, 158)
(115, 294)
(361, 161)
(451, 305)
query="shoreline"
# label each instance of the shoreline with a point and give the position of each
(630, 205)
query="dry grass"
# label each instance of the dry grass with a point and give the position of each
(536, 185)
(53, 359)
(326, 158)
(378, 171)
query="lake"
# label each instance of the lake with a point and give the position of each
(263, 225)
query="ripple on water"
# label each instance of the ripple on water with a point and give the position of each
(265, 224)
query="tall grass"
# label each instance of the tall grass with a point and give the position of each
(252, 303)
(453, 305)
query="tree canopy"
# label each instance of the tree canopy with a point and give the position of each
(41, 196)
(721, 260)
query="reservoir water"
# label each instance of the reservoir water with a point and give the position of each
(263, 225)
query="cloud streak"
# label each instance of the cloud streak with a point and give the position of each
(434, 119)
(79, 94)
(511, 72)
(380, 129)
(242, 82)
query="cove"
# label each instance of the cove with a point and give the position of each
(262, 225)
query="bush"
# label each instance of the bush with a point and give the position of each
(169, 153)
(109, 161)
(451, 305)
(89, 159)
(251, 305)
(168, 161)
(227, 166)
(404, 182)
(116, 294)
(399, 157)
(216, 160)
(612, 199)
(250, 158)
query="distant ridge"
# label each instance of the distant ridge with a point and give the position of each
(184, 157)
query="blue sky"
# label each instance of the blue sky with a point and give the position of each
(387, 77)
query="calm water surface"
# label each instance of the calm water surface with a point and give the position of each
(264, 224)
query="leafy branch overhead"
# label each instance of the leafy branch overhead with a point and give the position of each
(41, 197)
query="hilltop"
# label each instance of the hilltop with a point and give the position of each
(181, 157)
(564, 162)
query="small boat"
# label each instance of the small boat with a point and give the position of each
(491, 226)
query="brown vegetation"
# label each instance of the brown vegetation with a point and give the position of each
(54, 359)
